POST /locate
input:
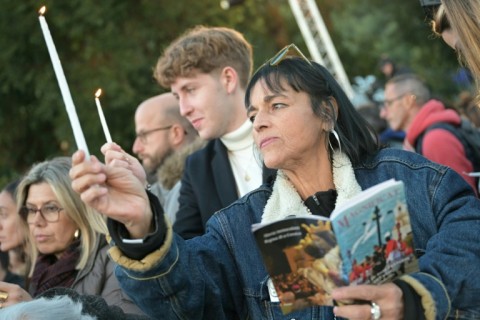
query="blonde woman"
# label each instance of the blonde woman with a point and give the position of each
(458, 22)
(69, 246)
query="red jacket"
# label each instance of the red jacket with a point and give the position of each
(440, 145)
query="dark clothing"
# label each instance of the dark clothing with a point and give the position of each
(15, 279)
(392, 138)
(51, 272)
(208, 185)
(322, 203)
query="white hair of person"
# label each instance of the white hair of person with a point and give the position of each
(59, 308)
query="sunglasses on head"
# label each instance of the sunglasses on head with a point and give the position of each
(282, 54)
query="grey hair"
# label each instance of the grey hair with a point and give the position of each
(411, 83)
(61, 308)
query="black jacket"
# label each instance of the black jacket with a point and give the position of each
(208, 185)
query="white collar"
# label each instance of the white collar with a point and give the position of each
(239, 139)
(285, 201)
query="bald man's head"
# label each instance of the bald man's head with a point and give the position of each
(160, 130)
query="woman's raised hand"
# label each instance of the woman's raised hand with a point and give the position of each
(113, 190)
(117, 157)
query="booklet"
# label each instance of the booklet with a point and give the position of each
(367, 240)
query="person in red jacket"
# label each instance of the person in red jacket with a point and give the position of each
(409, 107)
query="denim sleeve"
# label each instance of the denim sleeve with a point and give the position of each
(451, 254)
(185, 279)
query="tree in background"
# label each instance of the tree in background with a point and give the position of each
(367, 30)
(114, 45)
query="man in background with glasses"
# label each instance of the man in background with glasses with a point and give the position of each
(408, 106)
(163, 140)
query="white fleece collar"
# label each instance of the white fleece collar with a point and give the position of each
(285, 201)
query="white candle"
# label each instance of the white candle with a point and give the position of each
(62, 82)
(102, 116)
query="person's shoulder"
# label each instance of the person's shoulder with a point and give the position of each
(394, 156)
(250, 206)
(99, 255)
(205, 152)
(200, 162)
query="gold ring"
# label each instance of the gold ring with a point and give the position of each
(3, 296)
(126, 159)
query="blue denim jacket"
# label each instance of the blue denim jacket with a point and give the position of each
(221, 275)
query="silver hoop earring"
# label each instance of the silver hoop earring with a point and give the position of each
(335, 134)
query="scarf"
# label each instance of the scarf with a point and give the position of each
(51, 272)
(285, 201)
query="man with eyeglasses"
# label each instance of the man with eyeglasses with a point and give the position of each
(408, 106)
(163, 140)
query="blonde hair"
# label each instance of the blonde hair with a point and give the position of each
(55, 172)
(440, 22)
(464, 18)
(205, 49)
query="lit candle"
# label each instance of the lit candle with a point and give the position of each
(102, 116)
(62, 82)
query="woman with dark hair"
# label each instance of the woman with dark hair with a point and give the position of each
(325, 153)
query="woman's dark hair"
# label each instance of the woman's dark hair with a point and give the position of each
(357, 137)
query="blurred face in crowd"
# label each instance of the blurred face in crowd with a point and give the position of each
(394, 109)
(57, 234)
(153, 142)
(11, 234)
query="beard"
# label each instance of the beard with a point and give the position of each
(156, 161)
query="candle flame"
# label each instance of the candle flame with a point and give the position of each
(98, 93)
(42, 10)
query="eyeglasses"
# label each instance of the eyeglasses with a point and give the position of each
(388, 103)
(282, 54)
(142, 136)
(49, 213)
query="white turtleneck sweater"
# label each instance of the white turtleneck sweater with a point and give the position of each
(246, 170)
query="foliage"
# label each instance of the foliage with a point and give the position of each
(114, 45)
(367, 30)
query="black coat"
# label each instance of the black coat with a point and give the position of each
(208, 185)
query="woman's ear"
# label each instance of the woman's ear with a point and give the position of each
(331, 108)
(334, 106)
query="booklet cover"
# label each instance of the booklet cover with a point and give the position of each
(368, 240)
